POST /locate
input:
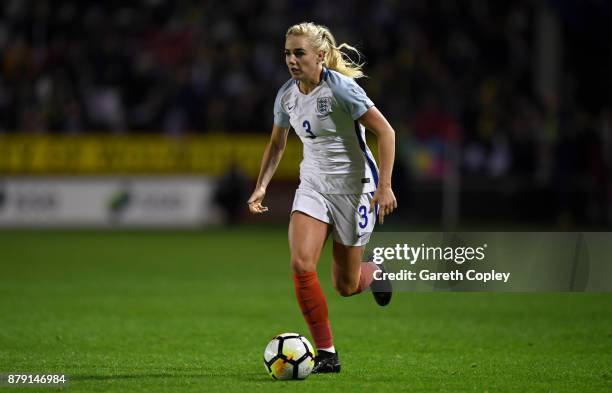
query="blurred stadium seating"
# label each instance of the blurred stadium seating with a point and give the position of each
(503, 109)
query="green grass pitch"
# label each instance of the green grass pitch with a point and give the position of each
(193, 311)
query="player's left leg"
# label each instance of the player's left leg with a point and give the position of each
(350, 275)
(354, 224)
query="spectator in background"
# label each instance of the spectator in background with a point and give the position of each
(232, 190)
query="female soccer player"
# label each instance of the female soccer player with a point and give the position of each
(340, 189)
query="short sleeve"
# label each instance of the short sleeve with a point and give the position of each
(351, 97)
(281, 117)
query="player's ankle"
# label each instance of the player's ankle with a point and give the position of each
(328, 349)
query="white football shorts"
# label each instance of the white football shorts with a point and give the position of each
(348, 214)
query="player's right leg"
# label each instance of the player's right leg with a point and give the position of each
(307, 237)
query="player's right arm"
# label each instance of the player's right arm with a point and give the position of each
(271, 157)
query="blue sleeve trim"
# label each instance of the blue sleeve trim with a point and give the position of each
(349, 95)
(281, 118)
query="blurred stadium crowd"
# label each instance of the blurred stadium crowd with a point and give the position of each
(446, 73)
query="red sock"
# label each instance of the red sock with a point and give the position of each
(314, 307)
(366, 277)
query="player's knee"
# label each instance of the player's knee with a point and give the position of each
(301, 264)
(345, 288)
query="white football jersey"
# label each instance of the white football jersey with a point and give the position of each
(337, 159)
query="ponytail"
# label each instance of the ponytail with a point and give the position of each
(323, 40)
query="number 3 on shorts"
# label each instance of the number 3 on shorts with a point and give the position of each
(363, 214)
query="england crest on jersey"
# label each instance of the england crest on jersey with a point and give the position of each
(324, 105)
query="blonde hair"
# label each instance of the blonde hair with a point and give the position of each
(322, 40)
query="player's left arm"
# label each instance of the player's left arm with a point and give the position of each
(374, 121)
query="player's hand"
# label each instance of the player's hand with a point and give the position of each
(385, 199)
(255, 200)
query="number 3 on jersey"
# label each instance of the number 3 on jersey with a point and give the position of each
(306, 125)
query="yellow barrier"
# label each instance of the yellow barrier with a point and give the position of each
(210, 154)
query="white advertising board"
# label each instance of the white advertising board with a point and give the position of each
(106, 201)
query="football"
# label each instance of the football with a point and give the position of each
(289, 356)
